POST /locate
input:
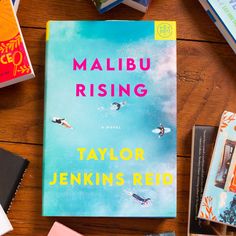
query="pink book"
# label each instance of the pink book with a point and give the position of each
(61, 230)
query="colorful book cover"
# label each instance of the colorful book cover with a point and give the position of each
(5, 225)
(140, 5)
(223, 14)
(110, 119)
(203, 140)
(61, 230)
(15, 64)
(106, 5)
(219, 199)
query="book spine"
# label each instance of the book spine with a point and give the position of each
(203, 138)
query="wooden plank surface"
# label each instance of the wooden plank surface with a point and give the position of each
(206, 87)
(193, 22)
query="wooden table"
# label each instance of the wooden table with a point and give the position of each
(206, 87)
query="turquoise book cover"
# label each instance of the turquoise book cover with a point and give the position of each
(219, 198)
(110, 119)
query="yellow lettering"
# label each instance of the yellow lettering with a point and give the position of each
(137, 179)
(92, 155)
(54, 181)
(102, 153)
(123, 156)
(81, 153)
(139, 152)
(63, 178)
(167, 179)
(74, 178)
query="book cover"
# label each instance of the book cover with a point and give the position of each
(223, 14)
(12, 168)
(15, 64)
(106, 5)
(61, 230)
(219, 200)
(5, 225)
(140, 5)
(110, 119)
(203, 140)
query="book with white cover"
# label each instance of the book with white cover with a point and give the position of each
(5, 225)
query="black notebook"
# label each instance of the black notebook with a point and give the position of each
(12, 168)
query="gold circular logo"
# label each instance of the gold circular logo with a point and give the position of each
(164, 30)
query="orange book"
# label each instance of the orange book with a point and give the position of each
(15, 65)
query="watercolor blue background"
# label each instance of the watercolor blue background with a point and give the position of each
(68, 40)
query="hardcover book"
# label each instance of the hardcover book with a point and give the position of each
(223, 14)
(110, 119)
(203, 140)
(12, 168)
(219, 199)
(106, 5)
(61, 230)
(5, 225)
(15, 64)
(140, 5)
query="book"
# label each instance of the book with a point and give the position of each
(5, 225)
(203, 140)
(15, 65)
(219, 199)
(12, 168)
(110, 119)
(106, 5)
(16, 4)
(61, 230)
(223, 14)
(140, 5)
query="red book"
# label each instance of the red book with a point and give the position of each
(15, 65)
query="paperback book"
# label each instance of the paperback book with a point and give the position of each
(110, 119)
(5, 225)
(12, 168)
(223, 14)
(140, 5)
(15, 65)
(106, 5)
(219, 198)
(203, 139)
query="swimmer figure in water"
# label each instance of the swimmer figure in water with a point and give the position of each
(61, 121)
(116, 106)
(141, 200)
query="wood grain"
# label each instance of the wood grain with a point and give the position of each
(25, 212)
(193, 23)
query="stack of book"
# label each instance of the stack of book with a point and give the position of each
(212, 205)
(106, 5)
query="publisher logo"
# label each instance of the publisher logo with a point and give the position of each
(165, 30)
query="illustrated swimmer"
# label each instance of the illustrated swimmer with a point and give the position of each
(161, 130)
(116, 106)
(61, 121)
(142, 201)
